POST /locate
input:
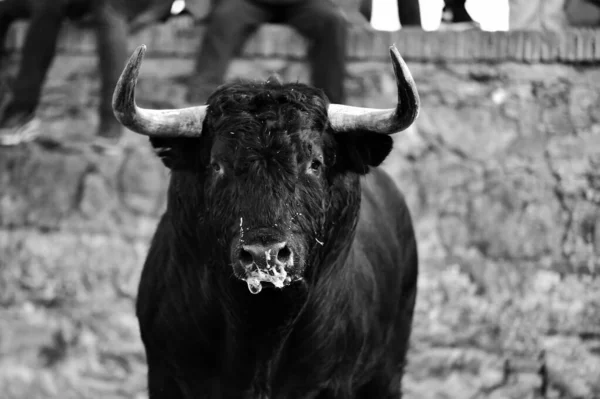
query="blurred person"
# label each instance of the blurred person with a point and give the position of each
(231, 22)
(456, 17)
(409, 11)
(114, 20)
(454, 14)
(583, 13)
(537, 15)
(18, 122)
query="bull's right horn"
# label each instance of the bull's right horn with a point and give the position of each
(344, 118)
(185, 122)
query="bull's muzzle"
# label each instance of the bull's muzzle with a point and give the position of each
(265, 257)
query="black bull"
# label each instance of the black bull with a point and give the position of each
(285, 265)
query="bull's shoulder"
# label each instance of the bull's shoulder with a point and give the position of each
(385, 225)
(382, 200)
(384, 253)
(152, 281)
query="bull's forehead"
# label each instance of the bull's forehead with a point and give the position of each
(251, 120)
(273, 137)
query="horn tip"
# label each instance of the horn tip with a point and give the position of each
(394, 53)
(140, 51)
(123, 99)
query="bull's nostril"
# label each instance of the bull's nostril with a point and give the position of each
(284, 254)
(246, 257)
(264, 255)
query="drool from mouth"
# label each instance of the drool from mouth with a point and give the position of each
(275, 274)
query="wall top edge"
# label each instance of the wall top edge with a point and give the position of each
(180, 38)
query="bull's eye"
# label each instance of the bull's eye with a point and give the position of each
(216, 167)
(315, 167)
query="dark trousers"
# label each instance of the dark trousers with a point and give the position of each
(46, 19)
(455, 4)
(111, 44)
(38, 50)
(11, 10)
(231, 22)
(459, 12)
(409, 12)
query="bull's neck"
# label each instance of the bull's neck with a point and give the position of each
(341, 228)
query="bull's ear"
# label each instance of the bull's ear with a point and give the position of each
(173, 152)
(357, 152)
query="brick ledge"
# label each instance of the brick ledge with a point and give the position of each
(180, 38)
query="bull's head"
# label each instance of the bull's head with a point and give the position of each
(267, 173)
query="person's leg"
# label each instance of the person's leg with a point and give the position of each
(77, 10)
(457, 10)
(230, 23)
(409, 13)
(17, 122)
(36, 56)
(111, 34)
(456, 17)
(10, 11)
(156, 11)
(366, 8)
(327, 30)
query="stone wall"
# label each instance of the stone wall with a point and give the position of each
(500, 169)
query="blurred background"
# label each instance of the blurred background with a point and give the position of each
(501, 171)
(491, 14)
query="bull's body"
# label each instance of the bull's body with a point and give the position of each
(285, 265)
(351, 345)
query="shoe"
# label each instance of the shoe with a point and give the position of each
(23, 131)
(460, 21)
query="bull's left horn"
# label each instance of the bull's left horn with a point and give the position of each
(185, 122)
(344, 118)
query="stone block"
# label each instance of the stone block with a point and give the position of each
(143, 182)
(41, 187)
(59, 268)
(97, 200)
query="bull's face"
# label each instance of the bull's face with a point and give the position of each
(266, 180)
